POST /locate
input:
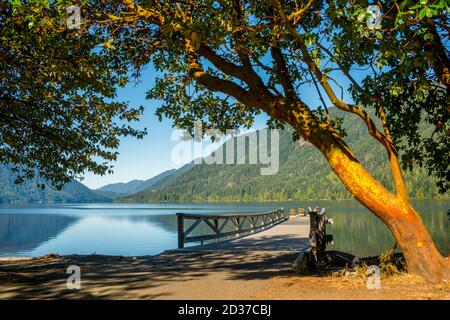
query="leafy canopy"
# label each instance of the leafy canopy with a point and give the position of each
(57, 86)
(223, 62)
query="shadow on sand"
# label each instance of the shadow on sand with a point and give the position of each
(235, 272)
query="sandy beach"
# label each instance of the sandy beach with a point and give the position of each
(195, 275)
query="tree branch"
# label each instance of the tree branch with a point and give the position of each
(213, 83)
(239, 37)
(373, 130)
(242, 73)
(347, 73)
(296, 16)
(282, 72)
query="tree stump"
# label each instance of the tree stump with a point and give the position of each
(318, 237)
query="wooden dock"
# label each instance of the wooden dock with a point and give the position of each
(291, 236)
(273, 230)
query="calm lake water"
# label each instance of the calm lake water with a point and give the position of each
(147, 229)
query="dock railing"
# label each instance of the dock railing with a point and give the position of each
(241, 224)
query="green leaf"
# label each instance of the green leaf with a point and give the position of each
(422, 13)
(361, 16)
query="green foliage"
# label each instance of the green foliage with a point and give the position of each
(68, 75)
(409, 59)
(57, 114)
(303, 175)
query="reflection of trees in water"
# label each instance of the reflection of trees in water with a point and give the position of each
(167, 222)
(20, 232)
(355, 229)
(436, 221)
(361, 233)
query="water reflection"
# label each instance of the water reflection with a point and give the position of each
(111, 235)
(145, 229)
(38, 234)
(358, 231)
(27, 231)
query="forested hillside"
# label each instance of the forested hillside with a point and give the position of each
(303, 175)
(28, 192)
(134, 186)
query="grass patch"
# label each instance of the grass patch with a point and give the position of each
(388, 264)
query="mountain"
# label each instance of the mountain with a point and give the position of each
(135, 186)
(122, 188)
(28, 192)
(303, 174)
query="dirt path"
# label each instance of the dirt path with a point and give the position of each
(401, 287)
(193, 275)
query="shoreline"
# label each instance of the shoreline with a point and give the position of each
(18, 203)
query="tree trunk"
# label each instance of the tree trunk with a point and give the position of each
(407, 227)
(420, 253)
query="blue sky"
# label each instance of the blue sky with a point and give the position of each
(143, 159)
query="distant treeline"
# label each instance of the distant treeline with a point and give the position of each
(303, 175)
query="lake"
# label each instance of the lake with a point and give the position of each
(147, 229)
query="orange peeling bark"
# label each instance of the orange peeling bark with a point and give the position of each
(397, 213)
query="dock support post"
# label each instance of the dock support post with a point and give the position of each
(180, 220)
(317, 233)
(318, 236)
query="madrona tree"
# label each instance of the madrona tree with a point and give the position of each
(223, 62)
